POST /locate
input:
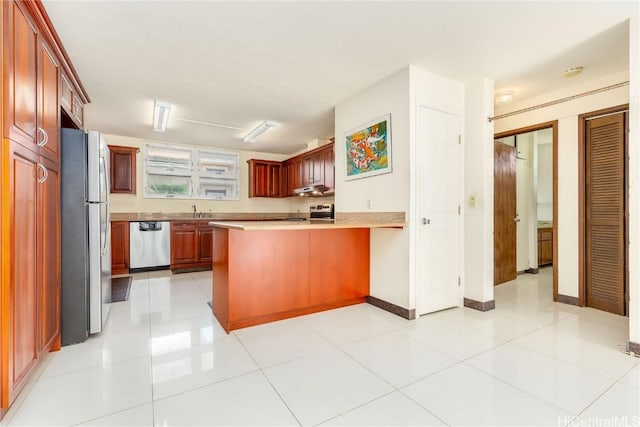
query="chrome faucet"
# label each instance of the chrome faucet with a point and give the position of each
(194, 209)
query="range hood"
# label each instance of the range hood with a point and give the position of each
(317, 190)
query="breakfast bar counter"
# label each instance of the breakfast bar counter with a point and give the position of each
(271, 270)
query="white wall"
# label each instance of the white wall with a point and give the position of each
(392, 251)
(478, 145)
(634, 179)
(137, 203)
(567, 115)
(524, 200)
(388, 192)
(544, 182)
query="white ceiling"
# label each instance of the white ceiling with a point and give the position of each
(238, 63)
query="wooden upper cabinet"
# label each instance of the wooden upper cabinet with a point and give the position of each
(21, 80)
(269, 178)
(31, 85)
(70, 102)
(328, 164)
(48, 132)
(123, 169)
(264, 178)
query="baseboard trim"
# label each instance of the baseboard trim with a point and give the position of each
(634, 347)
(406, 313)
(566, 299)
(480, 306)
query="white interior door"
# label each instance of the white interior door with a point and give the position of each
(438, 202)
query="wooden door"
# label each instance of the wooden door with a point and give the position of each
(119, 247)
(48, 134)
(504, 213)
(21, 81)
(184, 243)
(49, 259)
(23, 283)
(605, 207)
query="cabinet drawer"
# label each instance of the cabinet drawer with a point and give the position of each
(191, 224)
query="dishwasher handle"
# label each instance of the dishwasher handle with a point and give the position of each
(150, 226)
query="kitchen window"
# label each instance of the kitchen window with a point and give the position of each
(186, 173)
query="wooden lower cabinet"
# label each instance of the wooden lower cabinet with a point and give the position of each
(191, 246)
(30, 286)
(119, 247)
(545, 246)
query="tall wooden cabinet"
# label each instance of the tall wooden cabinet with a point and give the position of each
(33, 64)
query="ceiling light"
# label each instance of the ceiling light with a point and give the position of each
(161, 115)
(262, 128)
(572, 71)
(504, 96)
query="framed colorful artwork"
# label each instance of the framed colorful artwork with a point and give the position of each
(369, 149)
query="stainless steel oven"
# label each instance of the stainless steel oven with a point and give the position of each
(323, 212)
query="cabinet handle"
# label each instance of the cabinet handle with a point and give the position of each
(45, 173)
(45, 137)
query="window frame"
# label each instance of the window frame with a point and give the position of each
(194, 174)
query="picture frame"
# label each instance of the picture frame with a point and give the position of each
(368, 149)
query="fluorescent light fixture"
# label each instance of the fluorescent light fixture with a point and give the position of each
(262, 128)
(161, 115)
(504, 96)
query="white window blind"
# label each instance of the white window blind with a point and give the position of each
(190, 173)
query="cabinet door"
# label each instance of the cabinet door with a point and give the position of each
(258, 182)
(20, 83)
(22, 304)
(48, 134)
(49, 259)
(328, 165)
(317, 165)
(205, 241)
(119, 247)
(184, 244)
(123, 169)
(307, 174)
(274, 180)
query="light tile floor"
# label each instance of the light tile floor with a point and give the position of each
(164, 360)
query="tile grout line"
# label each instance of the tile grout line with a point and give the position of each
(268, 380)
(153, 404)
(618, 381)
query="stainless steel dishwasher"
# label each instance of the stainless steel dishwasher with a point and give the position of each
(149, 245)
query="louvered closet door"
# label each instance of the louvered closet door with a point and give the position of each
(605, 213)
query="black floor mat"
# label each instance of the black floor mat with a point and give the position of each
(120, 288)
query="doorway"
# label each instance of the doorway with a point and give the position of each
(604, 210)
(525, 200)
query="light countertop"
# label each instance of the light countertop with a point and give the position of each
(306, 225)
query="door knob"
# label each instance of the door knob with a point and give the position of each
(517, 218)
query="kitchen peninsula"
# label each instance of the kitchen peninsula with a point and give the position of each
(271, 270)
